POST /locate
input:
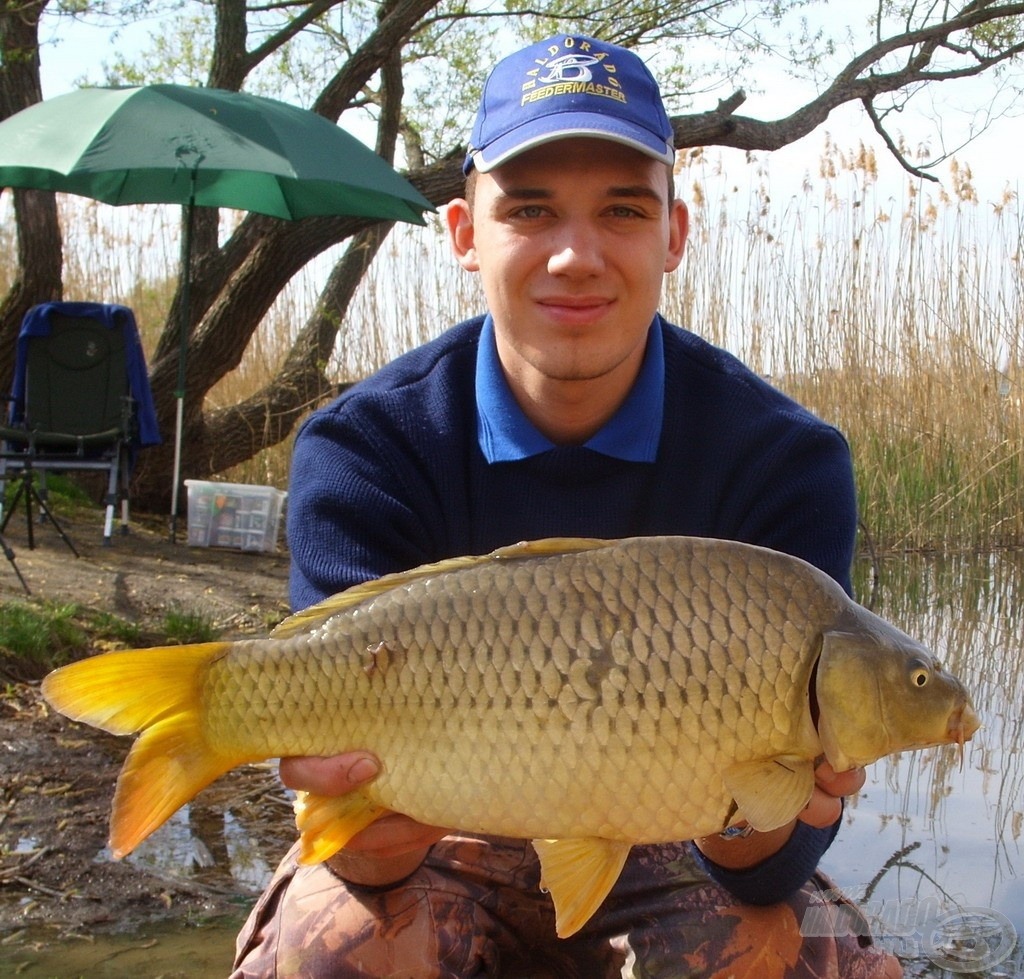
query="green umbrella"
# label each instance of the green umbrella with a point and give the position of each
(174, 144)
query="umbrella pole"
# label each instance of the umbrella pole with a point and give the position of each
(179, 416)
(179, 393)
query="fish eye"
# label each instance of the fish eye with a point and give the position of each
(919, 677)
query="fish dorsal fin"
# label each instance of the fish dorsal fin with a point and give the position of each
(546, 547)
(578, 873)
(314, 616)
(770, 792)
(327, 823)
(309, 618)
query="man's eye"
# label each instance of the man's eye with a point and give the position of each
(529, 211)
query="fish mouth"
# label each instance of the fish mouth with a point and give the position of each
(962, 724)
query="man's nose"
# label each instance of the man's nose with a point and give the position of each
(576, 249)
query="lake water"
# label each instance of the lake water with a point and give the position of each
(930, 848)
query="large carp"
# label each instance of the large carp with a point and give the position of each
(584, 694)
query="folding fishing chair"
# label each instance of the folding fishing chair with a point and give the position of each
(80, 401)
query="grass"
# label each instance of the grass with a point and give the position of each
(39, 636)
(895, 319)
(42, 637)
(893, 316)
(182, 626)
(62, 492)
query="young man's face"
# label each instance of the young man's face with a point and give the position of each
(572, 240)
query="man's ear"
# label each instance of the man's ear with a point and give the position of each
(678, 229)
(459, 217)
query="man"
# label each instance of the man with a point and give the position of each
(571, 409)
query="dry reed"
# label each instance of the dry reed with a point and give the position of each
(895, 317)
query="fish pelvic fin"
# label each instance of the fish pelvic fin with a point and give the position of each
(579, 873)
(769, 792)
(327, 823)
(156, 692)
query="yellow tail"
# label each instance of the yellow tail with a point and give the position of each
(155, 692)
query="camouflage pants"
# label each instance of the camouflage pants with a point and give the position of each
(475, 908)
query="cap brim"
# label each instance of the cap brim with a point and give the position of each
(565, 126)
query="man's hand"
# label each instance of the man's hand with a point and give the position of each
(826, 803)
(823, 809)
(388, 849)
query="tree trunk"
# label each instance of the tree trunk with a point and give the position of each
(40, 252)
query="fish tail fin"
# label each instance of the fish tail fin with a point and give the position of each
(156, 692)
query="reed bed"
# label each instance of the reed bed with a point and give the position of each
(895, 316)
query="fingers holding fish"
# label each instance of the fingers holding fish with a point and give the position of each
(825, 805)
(738, 851)
(387, 850)
(331, 775)
(394, 834)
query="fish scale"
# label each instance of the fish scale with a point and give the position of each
(546, 763)
(585, 694)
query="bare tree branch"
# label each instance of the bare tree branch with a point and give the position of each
(892, 147)
(860, 80)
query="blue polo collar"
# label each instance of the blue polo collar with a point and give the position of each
(505, 433)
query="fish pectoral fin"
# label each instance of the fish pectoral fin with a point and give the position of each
(770, 792)
(327, 823)
(578, 873)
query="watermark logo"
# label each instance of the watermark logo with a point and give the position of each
(956, 938)
(971, 940)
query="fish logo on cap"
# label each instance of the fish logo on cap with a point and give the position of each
(570, 67)
(571, 74)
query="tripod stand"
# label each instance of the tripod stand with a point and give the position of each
(9, 554)
(27, 490)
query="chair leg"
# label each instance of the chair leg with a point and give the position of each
(108, 521)
(124, 477)
(43, 493)
(113, 491)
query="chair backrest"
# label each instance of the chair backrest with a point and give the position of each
(76, 377)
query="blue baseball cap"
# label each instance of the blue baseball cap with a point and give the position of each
(569, 85)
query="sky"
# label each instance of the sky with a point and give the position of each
(942, 113)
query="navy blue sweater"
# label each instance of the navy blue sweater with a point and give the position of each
(390, 476)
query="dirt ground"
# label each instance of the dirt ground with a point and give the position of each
(57, 778)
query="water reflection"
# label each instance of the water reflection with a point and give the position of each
(228, 839)
(223, 846)
(927, 838)
(196, 839)
(156, 951)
